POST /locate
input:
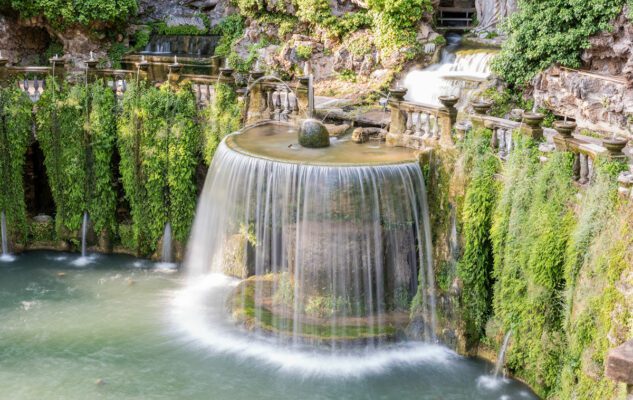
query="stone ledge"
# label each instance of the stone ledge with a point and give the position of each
(619, 365)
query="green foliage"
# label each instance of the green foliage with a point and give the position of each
(15, 133)
(395, 21)
(531, 230)
(546, 32)
(60, 124)
(116, 53)
(231, 28)
(222, 117)
(101, 138)
(304, 52)
(475, 267)
(54, 48)
(440, 41)
(64, 13)
(162, 28)
(42, 232)
(158, 143)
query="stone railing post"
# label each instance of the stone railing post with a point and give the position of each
(398, 126)
(303, 94)
(91, 66)
(532, 125)
(216, 63)
(174, 72)
(447, 122)
(255, 102)
(481, 109)
(143, 68)
(226, 76)
(619, 366)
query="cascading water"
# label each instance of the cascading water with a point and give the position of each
(502, 354)
(458, 73)
(6, 256)
(84, 234)
(327, 253)
(166, 256)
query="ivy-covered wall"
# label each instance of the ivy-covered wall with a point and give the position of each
(129, 163)
(541, 257)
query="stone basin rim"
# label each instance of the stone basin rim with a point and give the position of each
(229, 140)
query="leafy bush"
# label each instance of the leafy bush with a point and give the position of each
(15, 132)
(222, 117)
(231, 29)
(546, 32)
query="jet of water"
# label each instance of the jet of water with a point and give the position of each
(502, 354)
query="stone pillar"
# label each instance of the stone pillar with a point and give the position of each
(4, 73)
(91, 66)
(143, 67)
(398, 126)
(532, 125)
(226, 76)
(619, 366)
(216, 64)
(255, 100)
(447, 119)
(303, 95)
(174, 72)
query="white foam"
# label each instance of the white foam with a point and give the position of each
(198, 311)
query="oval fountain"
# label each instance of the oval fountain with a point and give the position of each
(312, 252)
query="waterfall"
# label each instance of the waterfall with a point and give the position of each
(458, 73)
(5, 240)
(166, 251)
(84, 233)
(502, 354)
(326, 256)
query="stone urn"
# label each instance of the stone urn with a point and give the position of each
(481, 107)
(565, 128)
(533, 120)
(255, 75)
(313, 134)
(448, 101)
(615, 145)
(398, 93)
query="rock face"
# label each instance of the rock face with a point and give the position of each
(600, 97)
(620, 363)
(490, 13)
(22, 44)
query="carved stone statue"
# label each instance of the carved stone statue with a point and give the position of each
(492, 12)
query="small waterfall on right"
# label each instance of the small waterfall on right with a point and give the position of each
(502, 355)
(459, 72)
(166, 256)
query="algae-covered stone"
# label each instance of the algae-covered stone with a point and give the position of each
(313, 134)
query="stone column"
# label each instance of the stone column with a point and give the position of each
(255, 99)
(398, 126)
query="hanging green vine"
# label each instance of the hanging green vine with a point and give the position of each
(222, 117)
(101, 141)
(475, 267)
(60, 128)
(159, 144)
(15, 133)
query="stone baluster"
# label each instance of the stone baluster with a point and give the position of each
(270, 108)
(409, 125)
(590, 170)
(418, 124)
(435, 127)
(509, 141)
(276, 105)
(502, 142)
(294, 104)
(494, 141)
(584, 169)
(428, 133)
(398, 118)
(286, 105)
(576, 167)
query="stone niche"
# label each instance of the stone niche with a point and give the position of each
(22, 44)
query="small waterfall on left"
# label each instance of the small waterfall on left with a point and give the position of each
(84, 259)
(166, 250)
(6, 256)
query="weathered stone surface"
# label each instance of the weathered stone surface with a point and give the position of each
(22, 44)
(620, 363)
(313, 134)
(490, 13)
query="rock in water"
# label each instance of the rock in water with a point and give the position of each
(313, 134)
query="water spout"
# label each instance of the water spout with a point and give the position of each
(84, 233)
(502, 354)
(166, 256)
(6, 256)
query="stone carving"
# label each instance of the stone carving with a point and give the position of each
(490, 13)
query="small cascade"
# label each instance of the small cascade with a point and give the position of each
(6, 256)
(194, 46)
(502, 355)
(84, 233)
(459, 73)
(166, 256)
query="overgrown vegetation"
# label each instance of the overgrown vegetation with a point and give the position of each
(15, 134)
(222, 117)
(546, 32)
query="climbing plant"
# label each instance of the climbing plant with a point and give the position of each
(222, 116)
(545, 32)
(60, 127)
(15, 133)
(159, 146)
(101, 139)
(475, 266)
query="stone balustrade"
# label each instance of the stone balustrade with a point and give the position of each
(270, 99)
(417, 125)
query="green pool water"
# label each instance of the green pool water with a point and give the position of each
(107, 331)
